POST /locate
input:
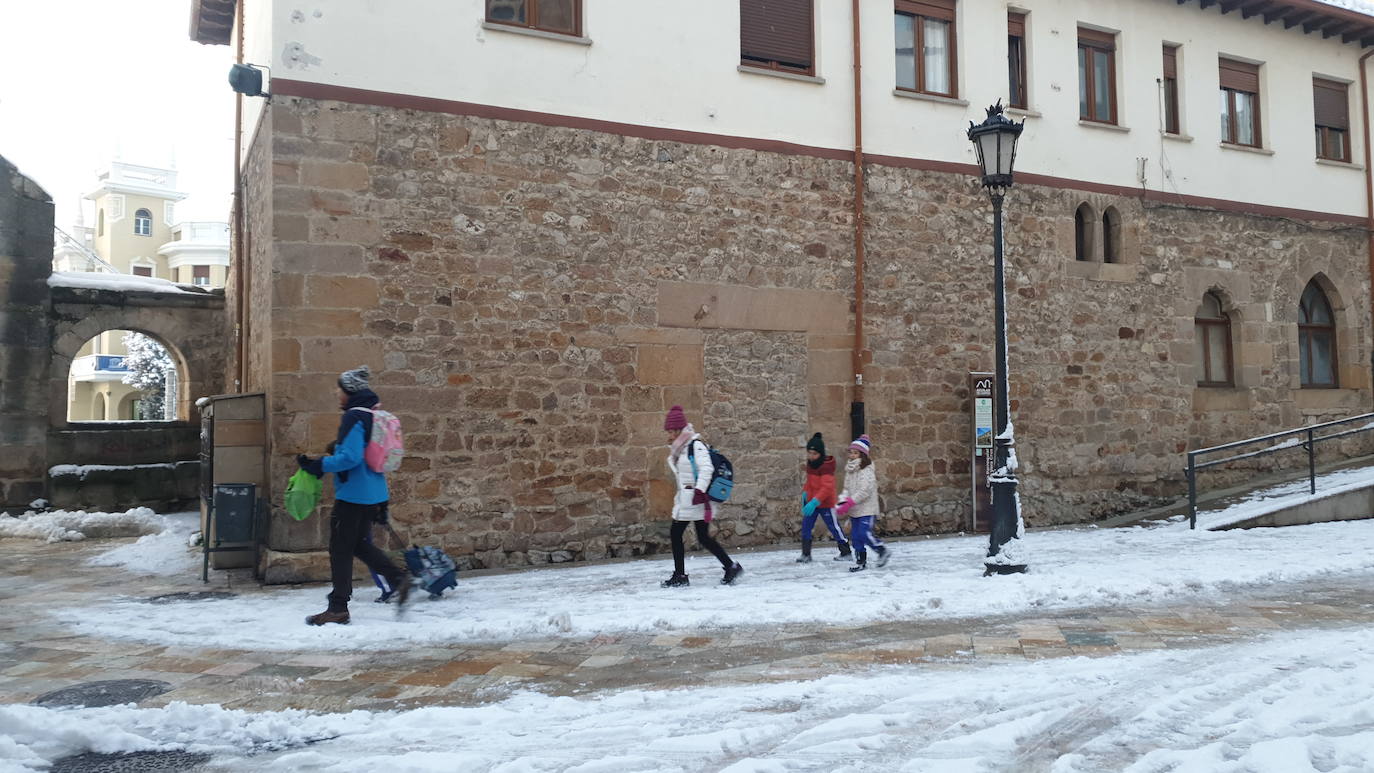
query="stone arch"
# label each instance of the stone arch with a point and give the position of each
(1084, 228)
(125, 410)
(1345, 333)
(1111, 236)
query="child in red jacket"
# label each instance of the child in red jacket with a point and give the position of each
(818, 499)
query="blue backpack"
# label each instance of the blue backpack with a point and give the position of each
(433, 570)
(722, 475)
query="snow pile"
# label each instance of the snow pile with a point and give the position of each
(168, 552)
(82, 470)
(926, 579)
(73, 525)
(94, 280)
(1283, 496)
(1293, 702)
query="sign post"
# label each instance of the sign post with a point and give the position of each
(981, 458)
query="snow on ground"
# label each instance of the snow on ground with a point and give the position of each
(167, 552)
(1289, 703)
(73, 525)
(1283, 496)
(932, 578)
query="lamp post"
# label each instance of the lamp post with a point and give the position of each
(995, 142)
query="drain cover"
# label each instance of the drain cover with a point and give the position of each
(192, 595)
(108, 693)
(133, 762)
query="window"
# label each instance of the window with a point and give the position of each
(777, 34)
(926, 47)
(1111, 236)
(1083, 232)
(143, 223)
(143, 270)
(1212, 334)
(561, 16)
(1240, 103)
(1316, 339)
(1096, 76)
(1332, 111)
(200, 275)
(100, 222)
(1170, 85)
(1016, 60)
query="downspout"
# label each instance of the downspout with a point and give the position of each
(1368, 196)
(856, 407)
(240, 255)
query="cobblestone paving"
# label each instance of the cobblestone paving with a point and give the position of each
(38, 656)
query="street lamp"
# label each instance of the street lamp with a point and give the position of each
(995, 141)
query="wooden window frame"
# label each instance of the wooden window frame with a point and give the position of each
(764, 64)
(937, 10)
(1325, 128)
(1201, 326)
(1230, 88)
(1090, 41)
(532, 19)
(1016, 31)
(1305, 339)
(1173, 123)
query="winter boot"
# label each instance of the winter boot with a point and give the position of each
(732, 573)
(883, 555)
(860, 562)
(676, 581)
(331, 615)
(845, 552)
(806, 552)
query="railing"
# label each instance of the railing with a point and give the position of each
(1310, 441)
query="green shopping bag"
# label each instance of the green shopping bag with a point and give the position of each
(302, 494)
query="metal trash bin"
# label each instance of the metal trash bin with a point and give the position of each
(232, 520)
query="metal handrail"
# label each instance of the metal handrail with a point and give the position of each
(1309, 443)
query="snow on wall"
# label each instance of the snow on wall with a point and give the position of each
(91, 280)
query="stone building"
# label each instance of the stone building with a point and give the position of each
(544, 223)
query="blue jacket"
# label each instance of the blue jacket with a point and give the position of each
(354, 481)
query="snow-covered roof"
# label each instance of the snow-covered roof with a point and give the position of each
(92, 280)
(1358, 6)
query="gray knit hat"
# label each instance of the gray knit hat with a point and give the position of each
(354, 381)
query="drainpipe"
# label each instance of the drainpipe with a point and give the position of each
(1368, 194)
(240, 255)
(856, 407)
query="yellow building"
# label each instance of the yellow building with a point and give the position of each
(135, 233)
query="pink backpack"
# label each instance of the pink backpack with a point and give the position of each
(386, 449)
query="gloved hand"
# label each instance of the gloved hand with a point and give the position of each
(699, 497)
(809, 506)
(383, 515)
(844, 507)
(311, 466)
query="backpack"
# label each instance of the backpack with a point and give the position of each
(722, 475)
(386, 448)
(433, 570)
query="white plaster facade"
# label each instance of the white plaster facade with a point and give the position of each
(674, 65)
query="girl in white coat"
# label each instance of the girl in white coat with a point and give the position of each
(860, 502)
(689, 460)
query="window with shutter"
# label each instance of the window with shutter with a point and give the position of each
(1096, 75)
(563, 17)
(1170, 85)
(1240, 103)
(927, 54)
(200, 275)
(1331, 108)
(777, 34)
(1016, 61)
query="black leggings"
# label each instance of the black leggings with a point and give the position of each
(348, 527)
(704, 537)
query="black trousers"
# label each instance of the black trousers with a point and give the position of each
(348, 526)
(704, 537)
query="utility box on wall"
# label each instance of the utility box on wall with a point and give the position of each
(233, 440)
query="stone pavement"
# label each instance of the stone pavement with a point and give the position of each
(38, 656)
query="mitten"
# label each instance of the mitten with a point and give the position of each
(809, 507)
(844, 507)
(699, 497)
(311, 466)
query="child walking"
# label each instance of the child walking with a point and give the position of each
(689, 461)
(818, 499)
(860, 502)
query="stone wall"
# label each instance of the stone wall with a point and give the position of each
(534, 298)
(26, 245)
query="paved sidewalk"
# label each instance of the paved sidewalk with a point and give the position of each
(37, 655)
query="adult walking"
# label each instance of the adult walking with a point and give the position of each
(360, 499)
(689, 460)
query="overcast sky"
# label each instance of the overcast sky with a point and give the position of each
(85, 81)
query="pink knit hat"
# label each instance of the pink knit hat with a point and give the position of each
(676, 419)
(863, 444)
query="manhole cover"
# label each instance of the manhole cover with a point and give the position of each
(108, 693)
(132, 762)
(191, 595)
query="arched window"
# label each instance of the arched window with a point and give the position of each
(1083, 233)
(1212, 343)
(1316, 339)
(1111, 236)
(143, 223)
(100, 222)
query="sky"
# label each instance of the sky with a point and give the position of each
(88, 81)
